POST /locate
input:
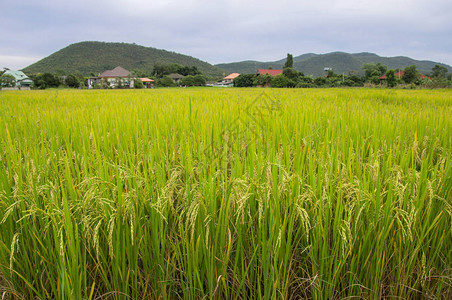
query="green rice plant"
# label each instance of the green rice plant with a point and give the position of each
(226, 194)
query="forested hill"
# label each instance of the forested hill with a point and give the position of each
(341, 62)
(96, 57)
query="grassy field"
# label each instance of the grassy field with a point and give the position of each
(226, 194)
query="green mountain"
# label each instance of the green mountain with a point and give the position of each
(96, 57)
(341, 62)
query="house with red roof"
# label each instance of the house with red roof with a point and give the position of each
(270, 72)
(400, 74)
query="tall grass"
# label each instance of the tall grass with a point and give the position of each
(226, 194)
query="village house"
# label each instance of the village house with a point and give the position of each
(118, 77)
(22, 80)
(227, 81)
(147, 83)
(230, 78)
(176, 77)
(270, 72)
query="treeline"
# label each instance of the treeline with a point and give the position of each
(160, 73)
(374, 75)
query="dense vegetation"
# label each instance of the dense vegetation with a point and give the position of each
(226, 194)
(340, 62)
(96, 57)
(376, 75)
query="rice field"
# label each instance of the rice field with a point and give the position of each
(226, 194)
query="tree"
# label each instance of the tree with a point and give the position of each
(305, 81)
(291, 73)
(390, 78)
(138, 84)
(165, 81)
(262, 80)
(139, 73)
(244, 80)
(191, 80)
(189, 71)
(46, 80)
(188, 80)
(439, 71)
(72, 81)
(289, 61)
(281, 81)
(174, 68)
(160, 70)
(372, 71)
(199, 79)
(7, 81)
(381, 68)
(410, 74)
(320, 81)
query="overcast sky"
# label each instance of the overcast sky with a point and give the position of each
(229, 30)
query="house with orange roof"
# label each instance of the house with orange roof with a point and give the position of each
(147, 83)
(230, 78)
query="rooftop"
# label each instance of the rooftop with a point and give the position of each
(231, 76)
(18, 75)
(269, 72)
(116, 72)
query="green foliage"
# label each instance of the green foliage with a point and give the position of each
(230, 194)
(140, 73)
(281, 81)
(138, 84)
(96, 57)
(262, 80)
(305, 82)
(72, 81)
(391, 80)
(193, 80)
(289, 61)
(244, 80)
(439, 71)
(161, 69)
(7, 81)
(185, 70)
(291, 73)
(342, 63)
(373, 71)
(411, 74)
(165, 81)
(354, 80)
(46, 80)
(187, 81)
(320, 82)
(374, 79)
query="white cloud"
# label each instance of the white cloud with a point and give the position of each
(221, 31)
(16, 62)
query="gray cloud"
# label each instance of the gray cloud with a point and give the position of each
(224, 31)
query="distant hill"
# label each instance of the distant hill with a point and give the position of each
(341, 62)
(87, 57)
